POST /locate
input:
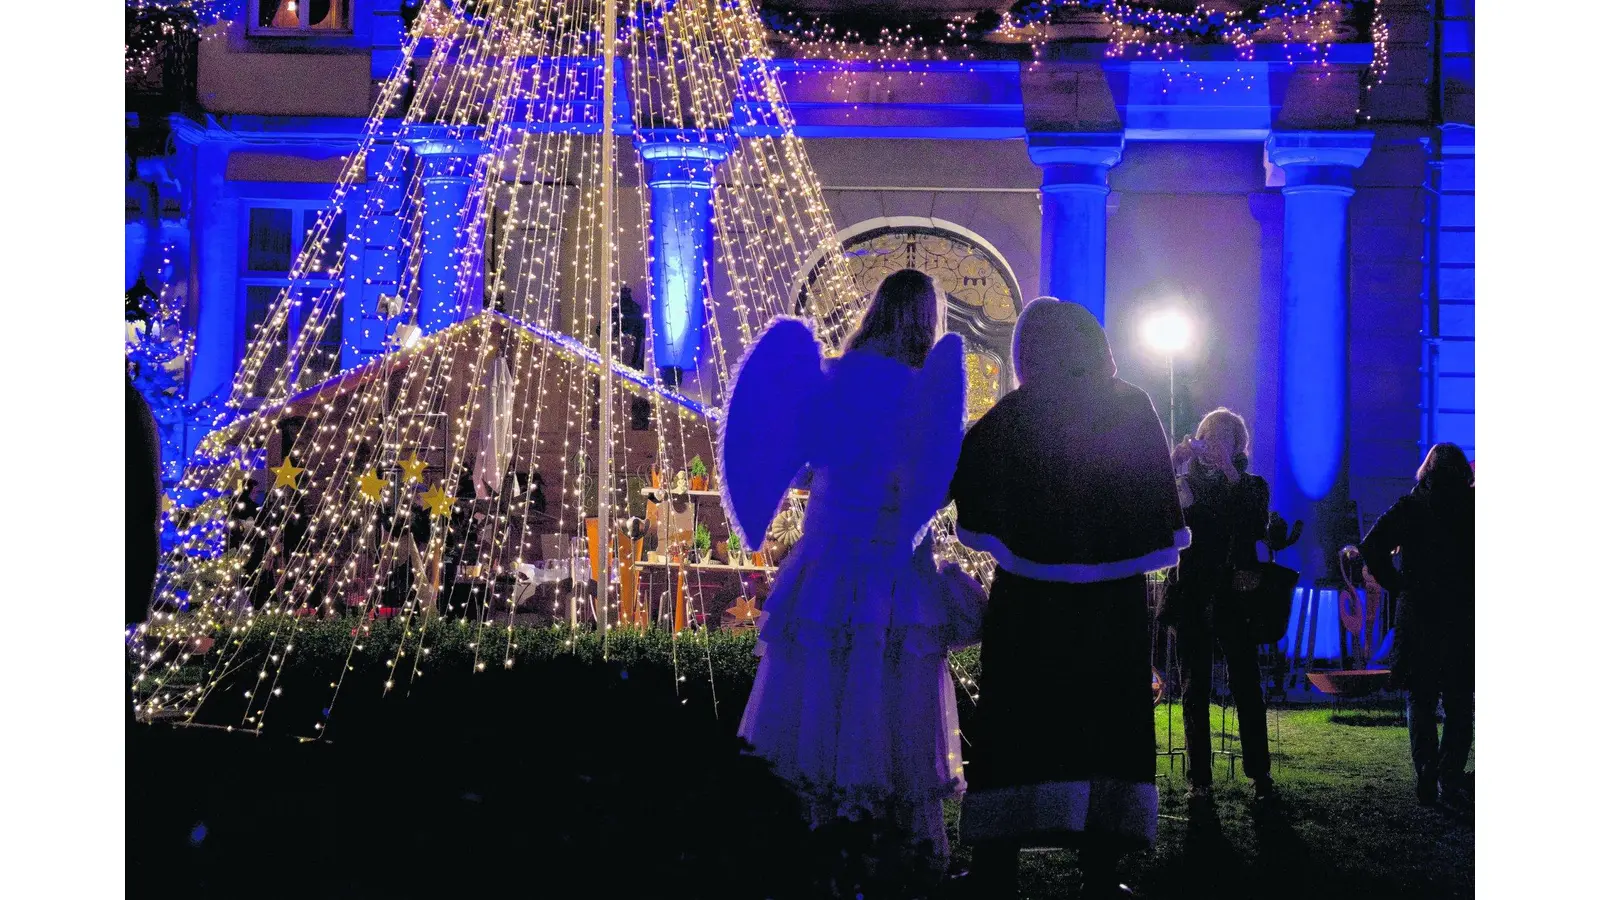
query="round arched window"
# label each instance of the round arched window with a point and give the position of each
(983, 296)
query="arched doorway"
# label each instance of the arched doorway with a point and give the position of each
(981, 289)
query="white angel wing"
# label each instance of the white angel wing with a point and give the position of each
(762, 443)
(938, 412)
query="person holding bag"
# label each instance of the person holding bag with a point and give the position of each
(1208, 603)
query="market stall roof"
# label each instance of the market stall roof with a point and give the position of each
(501, 327)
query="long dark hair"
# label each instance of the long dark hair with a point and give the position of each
(1446, 468)
(903, 320)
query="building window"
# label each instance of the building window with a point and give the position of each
(299, 17)
(983, 296)
(276, 237)
(271, 240)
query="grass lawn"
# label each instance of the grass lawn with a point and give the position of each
(1347, 825)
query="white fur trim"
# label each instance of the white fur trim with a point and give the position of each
(1035, 812)
(1075, 573)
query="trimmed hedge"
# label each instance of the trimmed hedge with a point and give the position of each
(715, 669)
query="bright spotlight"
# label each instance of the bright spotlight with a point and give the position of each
(1168, 331)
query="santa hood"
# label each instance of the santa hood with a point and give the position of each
(1068, 478)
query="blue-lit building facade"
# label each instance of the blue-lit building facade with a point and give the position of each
(1314, 220)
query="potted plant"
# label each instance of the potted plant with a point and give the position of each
(736, 555)
(702, 543)
(697, 474)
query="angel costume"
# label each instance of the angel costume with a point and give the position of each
(1068, 483)
(853, 702)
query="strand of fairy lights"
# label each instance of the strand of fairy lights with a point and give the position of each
(295, 559)
(414, 606)
(529, 386)
(312, 245)
(437, 536)
(192, 480)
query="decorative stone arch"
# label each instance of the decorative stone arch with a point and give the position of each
(980, 286)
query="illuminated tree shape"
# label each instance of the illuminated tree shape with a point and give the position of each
(487, 162)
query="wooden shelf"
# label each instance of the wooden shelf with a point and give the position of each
(706, 567)
(793, 492)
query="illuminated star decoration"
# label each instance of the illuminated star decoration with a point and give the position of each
(371, 485)
(437, 501)
(414, 468)
(286, 474)
(743, 612)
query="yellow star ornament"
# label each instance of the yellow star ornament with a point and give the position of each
(286, 474)
(437, 501)
(371, 485)
(743, 612)
(414, 468)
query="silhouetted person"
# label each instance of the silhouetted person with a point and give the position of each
(242, 515)
(143, 507)
(627, 329)
(630, 327)
(1226, 509)
(1067, 482)
(143, 536)
(536, 498)
(462, 539)
(1432, 527)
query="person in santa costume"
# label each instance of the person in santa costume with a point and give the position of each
(1068, 483)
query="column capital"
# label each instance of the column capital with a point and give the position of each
(672, 158)
(442, 148)
(1075, 160)
(1078, 148)
(1319, 159)
(444, 140)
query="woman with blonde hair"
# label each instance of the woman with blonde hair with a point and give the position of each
(1226, 510)
(1432, 527)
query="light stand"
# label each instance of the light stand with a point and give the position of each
(1168, 332)
(1172, 405)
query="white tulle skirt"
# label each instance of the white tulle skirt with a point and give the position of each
(853, 701)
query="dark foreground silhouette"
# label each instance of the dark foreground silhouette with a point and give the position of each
(563, 780)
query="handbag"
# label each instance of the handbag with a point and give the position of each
(1265, 595)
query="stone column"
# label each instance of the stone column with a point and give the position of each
(1072, 236)
(446, 166)
(1318, 175)
(1318, 182)
(219, 333)
(679, 174)
(381, 262)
